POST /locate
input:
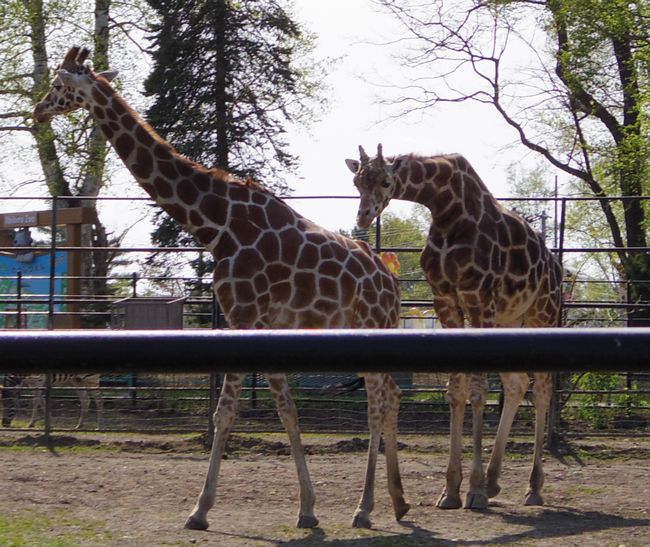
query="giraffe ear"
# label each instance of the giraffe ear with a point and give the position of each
(67, 78)
(353, 165)
(109, 75)
(397, 163)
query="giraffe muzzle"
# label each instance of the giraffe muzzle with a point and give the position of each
(364, 220)
(40, 114)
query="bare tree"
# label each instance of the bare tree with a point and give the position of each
(72, 166)
(569, 76)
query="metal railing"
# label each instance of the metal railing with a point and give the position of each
(425, 393)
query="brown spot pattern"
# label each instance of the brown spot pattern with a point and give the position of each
(124, 145)
(187, 192)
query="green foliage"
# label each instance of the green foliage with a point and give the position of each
(595, 407)
(407, 232)
(606, 399)
(589, 277)
(228, 79)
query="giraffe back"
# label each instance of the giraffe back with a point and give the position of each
(288, 272)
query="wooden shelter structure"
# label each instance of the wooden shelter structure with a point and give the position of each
(72, 219)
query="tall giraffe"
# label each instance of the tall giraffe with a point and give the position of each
(273, 269)
(486, 266)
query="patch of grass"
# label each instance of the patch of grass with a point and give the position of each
(518, 457)
(60, 444)
(56, 529)
(580, 491)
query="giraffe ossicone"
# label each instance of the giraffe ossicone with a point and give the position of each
(486, 267)
(273, 269)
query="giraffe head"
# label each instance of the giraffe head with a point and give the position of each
(71, 87)
(375, 181)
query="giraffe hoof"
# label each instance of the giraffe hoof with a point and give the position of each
(361, 520)
(195, 523)
(446, 501)
(307, 521)
(476, 501)
(533, 498)
(493, 490)
(401, 510)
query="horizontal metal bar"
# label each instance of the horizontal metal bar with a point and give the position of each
(469, 350)
(552, 249)
(511, 198)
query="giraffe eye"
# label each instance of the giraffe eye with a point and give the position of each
(385, 184)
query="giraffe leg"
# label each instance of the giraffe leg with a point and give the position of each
(99, 405)
(361, 517)
(84, 400)
(38, 400)
(391, 414)
(289, 416)
(9, 400)
(514, 385)
(457, 392)
(542, 396)
(477, 495)
(223, 420)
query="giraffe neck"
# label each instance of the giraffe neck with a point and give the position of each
(207, 202)
(442, 184)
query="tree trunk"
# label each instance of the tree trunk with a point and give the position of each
(95, 266)
(44, 136)
(220, 91)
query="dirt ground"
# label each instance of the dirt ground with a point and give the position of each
(104, 490)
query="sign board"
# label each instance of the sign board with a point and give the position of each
(20, 220)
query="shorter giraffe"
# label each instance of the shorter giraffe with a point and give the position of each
(85, 385)
(273, 269)
(486, 266)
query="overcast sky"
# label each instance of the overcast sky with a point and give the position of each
(351, 30)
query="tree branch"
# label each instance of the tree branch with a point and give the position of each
(16, 128)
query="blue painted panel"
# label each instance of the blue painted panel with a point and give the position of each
(35, 282)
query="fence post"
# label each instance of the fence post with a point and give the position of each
(19, 300)
(52, 287)
(378, 234)
(47, 411)
(254, 390)
(554, 411)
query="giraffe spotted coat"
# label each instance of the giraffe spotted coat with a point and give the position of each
(273, 269)
(488, 268)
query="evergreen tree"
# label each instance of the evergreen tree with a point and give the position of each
(228, 78)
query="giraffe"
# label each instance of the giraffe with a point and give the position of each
(487, 267)
(86, 386)
(273, 269)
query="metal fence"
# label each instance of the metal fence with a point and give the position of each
(589, 403)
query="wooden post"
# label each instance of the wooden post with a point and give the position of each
(72, 218)
(73, 239)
